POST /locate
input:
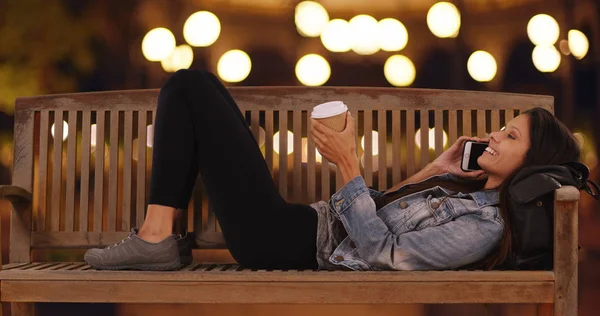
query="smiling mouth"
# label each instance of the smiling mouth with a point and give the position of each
(491, 151)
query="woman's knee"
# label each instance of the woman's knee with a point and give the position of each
(188, 78)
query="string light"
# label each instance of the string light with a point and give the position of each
(158, 44)
(482, 66)
(202, 29)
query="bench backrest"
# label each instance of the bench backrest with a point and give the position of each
(91, 188)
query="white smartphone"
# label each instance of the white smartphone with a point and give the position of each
(471, 151)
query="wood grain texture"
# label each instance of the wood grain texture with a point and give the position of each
(86, 128)
(14, 193)
(396, 147)
(368, 154)
(565, 251)
(127, 170)
(297, 175)
(380, 292)
(283, 153)
(300, 98)
(207, 272)
(141, 170)
(42, 184)
(410, 143)
(70, 172)
(22, 309)
(99, 171)
(21, 212)
(113, 171)
(382, 146)
(55, 197)
(424, 128)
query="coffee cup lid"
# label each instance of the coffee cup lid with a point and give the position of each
(329, 109)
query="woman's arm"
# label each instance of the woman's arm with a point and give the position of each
(448, 162)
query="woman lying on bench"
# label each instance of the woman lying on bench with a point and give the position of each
(434, 220)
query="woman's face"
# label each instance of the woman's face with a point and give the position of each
(507, 148)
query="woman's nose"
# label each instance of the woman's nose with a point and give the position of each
(495, 136)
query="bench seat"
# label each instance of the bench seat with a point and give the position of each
(229, 283)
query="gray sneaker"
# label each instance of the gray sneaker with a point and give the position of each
(133, 253)
(186, 242)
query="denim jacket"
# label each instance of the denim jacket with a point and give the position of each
(433, 229)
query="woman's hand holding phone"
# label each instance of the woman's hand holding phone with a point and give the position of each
(450, 160)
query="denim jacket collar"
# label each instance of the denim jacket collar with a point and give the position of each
(486, 198)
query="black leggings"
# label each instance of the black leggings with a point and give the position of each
(199, 127)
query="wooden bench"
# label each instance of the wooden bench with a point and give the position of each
(76, 193)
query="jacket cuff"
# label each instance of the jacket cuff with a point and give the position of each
(343, 198)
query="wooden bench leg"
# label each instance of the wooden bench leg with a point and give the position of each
(565, 251)
(545, 309)
(22, 309)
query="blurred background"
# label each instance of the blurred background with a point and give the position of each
(547, 47)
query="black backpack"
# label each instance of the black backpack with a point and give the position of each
(531, 210)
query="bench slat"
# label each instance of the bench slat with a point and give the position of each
(348, 292)
(43, 171)
(368, 154)
(86, 139)
(439, 132)
(113, 173)
(99, 171)
(297, 174)
(127, 162)
(424, 128)
(212, 272)
(55, 208)
(70, 172)
(396, 148)
(141, 170)
(283, 153)
(382, 163)
(311, 156)
(410, 143)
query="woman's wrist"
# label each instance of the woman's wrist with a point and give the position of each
(349, 169)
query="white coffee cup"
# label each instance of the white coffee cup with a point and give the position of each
(331, 114)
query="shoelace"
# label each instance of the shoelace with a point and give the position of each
(120, 242)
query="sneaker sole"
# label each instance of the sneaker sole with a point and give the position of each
(170, 266)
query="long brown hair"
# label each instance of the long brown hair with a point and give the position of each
(551, 144)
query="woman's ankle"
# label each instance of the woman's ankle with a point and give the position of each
(158, 224)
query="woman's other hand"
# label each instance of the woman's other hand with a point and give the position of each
(449, 161)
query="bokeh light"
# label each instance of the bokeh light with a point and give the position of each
(374, 142)
(311, 18)
(65, 131)
(149, 135)
(392, 35)
(431, 138)
(305, 151)
(546, 58)
(578, 44)
(443, 20)
(158, 44)
(313, 70)
(181, 58)
(482, 66)
(234, 66)
(399, 71)
(364, 30)
(201, 29)
(543, 29)
(290, 142)
(337, 36)
(374, 162)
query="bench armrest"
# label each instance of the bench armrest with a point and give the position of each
(567, 194)
(14, 193)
